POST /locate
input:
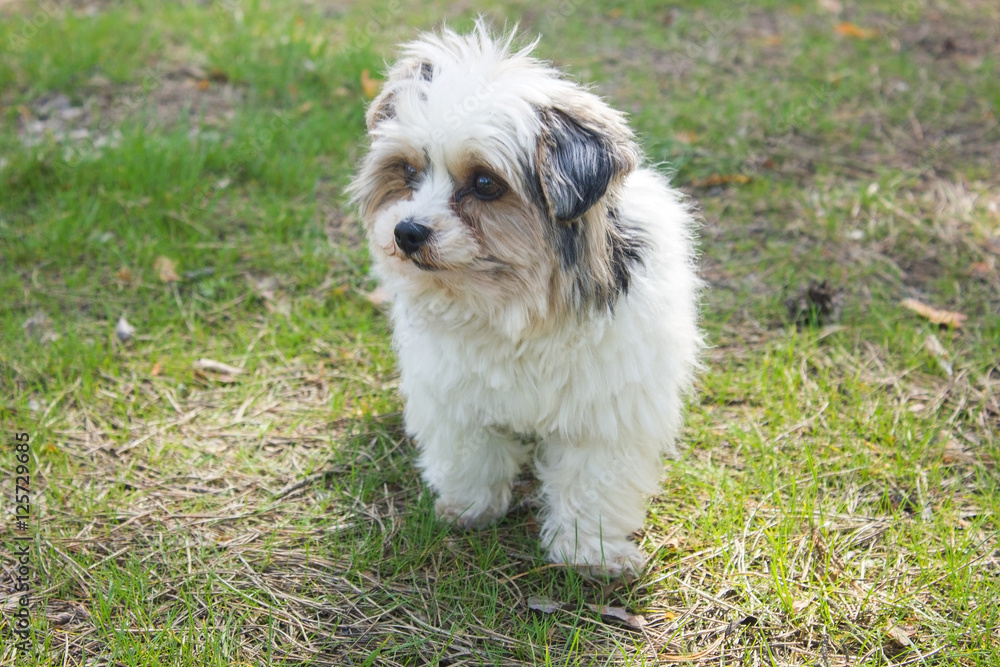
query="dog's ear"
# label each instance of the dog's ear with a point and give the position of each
(383, 106)
(578, 159)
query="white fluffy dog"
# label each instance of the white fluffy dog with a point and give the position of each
(544, 291)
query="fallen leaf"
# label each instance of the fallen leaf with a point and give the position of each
(636, 621)
(850, 30)
(369, 86)
(156, 369)
(685, 137)
(213, 366)
(10, 603)
(748, 621)
(550, 606)
(798, 606)
(124, 330)
(983, 270)
(266, 287)
(934, 346)
(61, 618)
(616, 13)
(166, 269)
(544, 605)
(672, 543)
(773, 40)
(281, 304)
(945, 318)
(39, 327)
(203, 85)
(955, 452)
(217, 378)
(275, 300)
(193, 71)
(832, 6)
(721, 179)
(124, 274)
(818, 304)
(898, 634)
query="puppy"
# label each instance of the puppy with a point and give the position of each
(544, 291)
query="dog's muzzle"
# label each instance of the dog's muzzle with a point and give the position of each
(411, 236)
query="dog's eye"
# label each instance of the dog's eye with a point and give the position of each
(486, 187)
(410, 173)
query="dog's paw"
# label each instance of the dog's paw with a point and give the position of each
(471, 516)
(594, 558)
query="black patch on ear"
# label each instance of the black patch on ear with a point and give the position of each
(576, 166)
(426, 71)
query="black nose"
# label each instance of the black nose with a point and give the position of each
(411, 235)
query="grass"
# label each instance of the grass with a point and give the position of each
(840, 494)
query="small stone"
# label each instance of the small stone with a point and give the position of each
(124, 330)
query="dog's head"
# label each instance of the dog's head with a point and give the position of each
(493, 180)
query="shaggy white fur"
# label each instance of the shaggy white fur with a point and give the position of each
(561, 312)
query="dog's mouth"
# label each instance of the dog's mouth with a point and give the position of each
(423, 265)
(482, 264)
(426, 262)
(417, 258)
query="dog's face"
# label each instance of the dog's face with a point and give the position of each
(491, 180)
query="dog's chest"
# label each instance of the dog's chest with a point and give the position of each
(515, 384)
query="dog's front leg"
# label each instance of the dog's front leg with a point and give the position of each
(594, 493)
(472, 471)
